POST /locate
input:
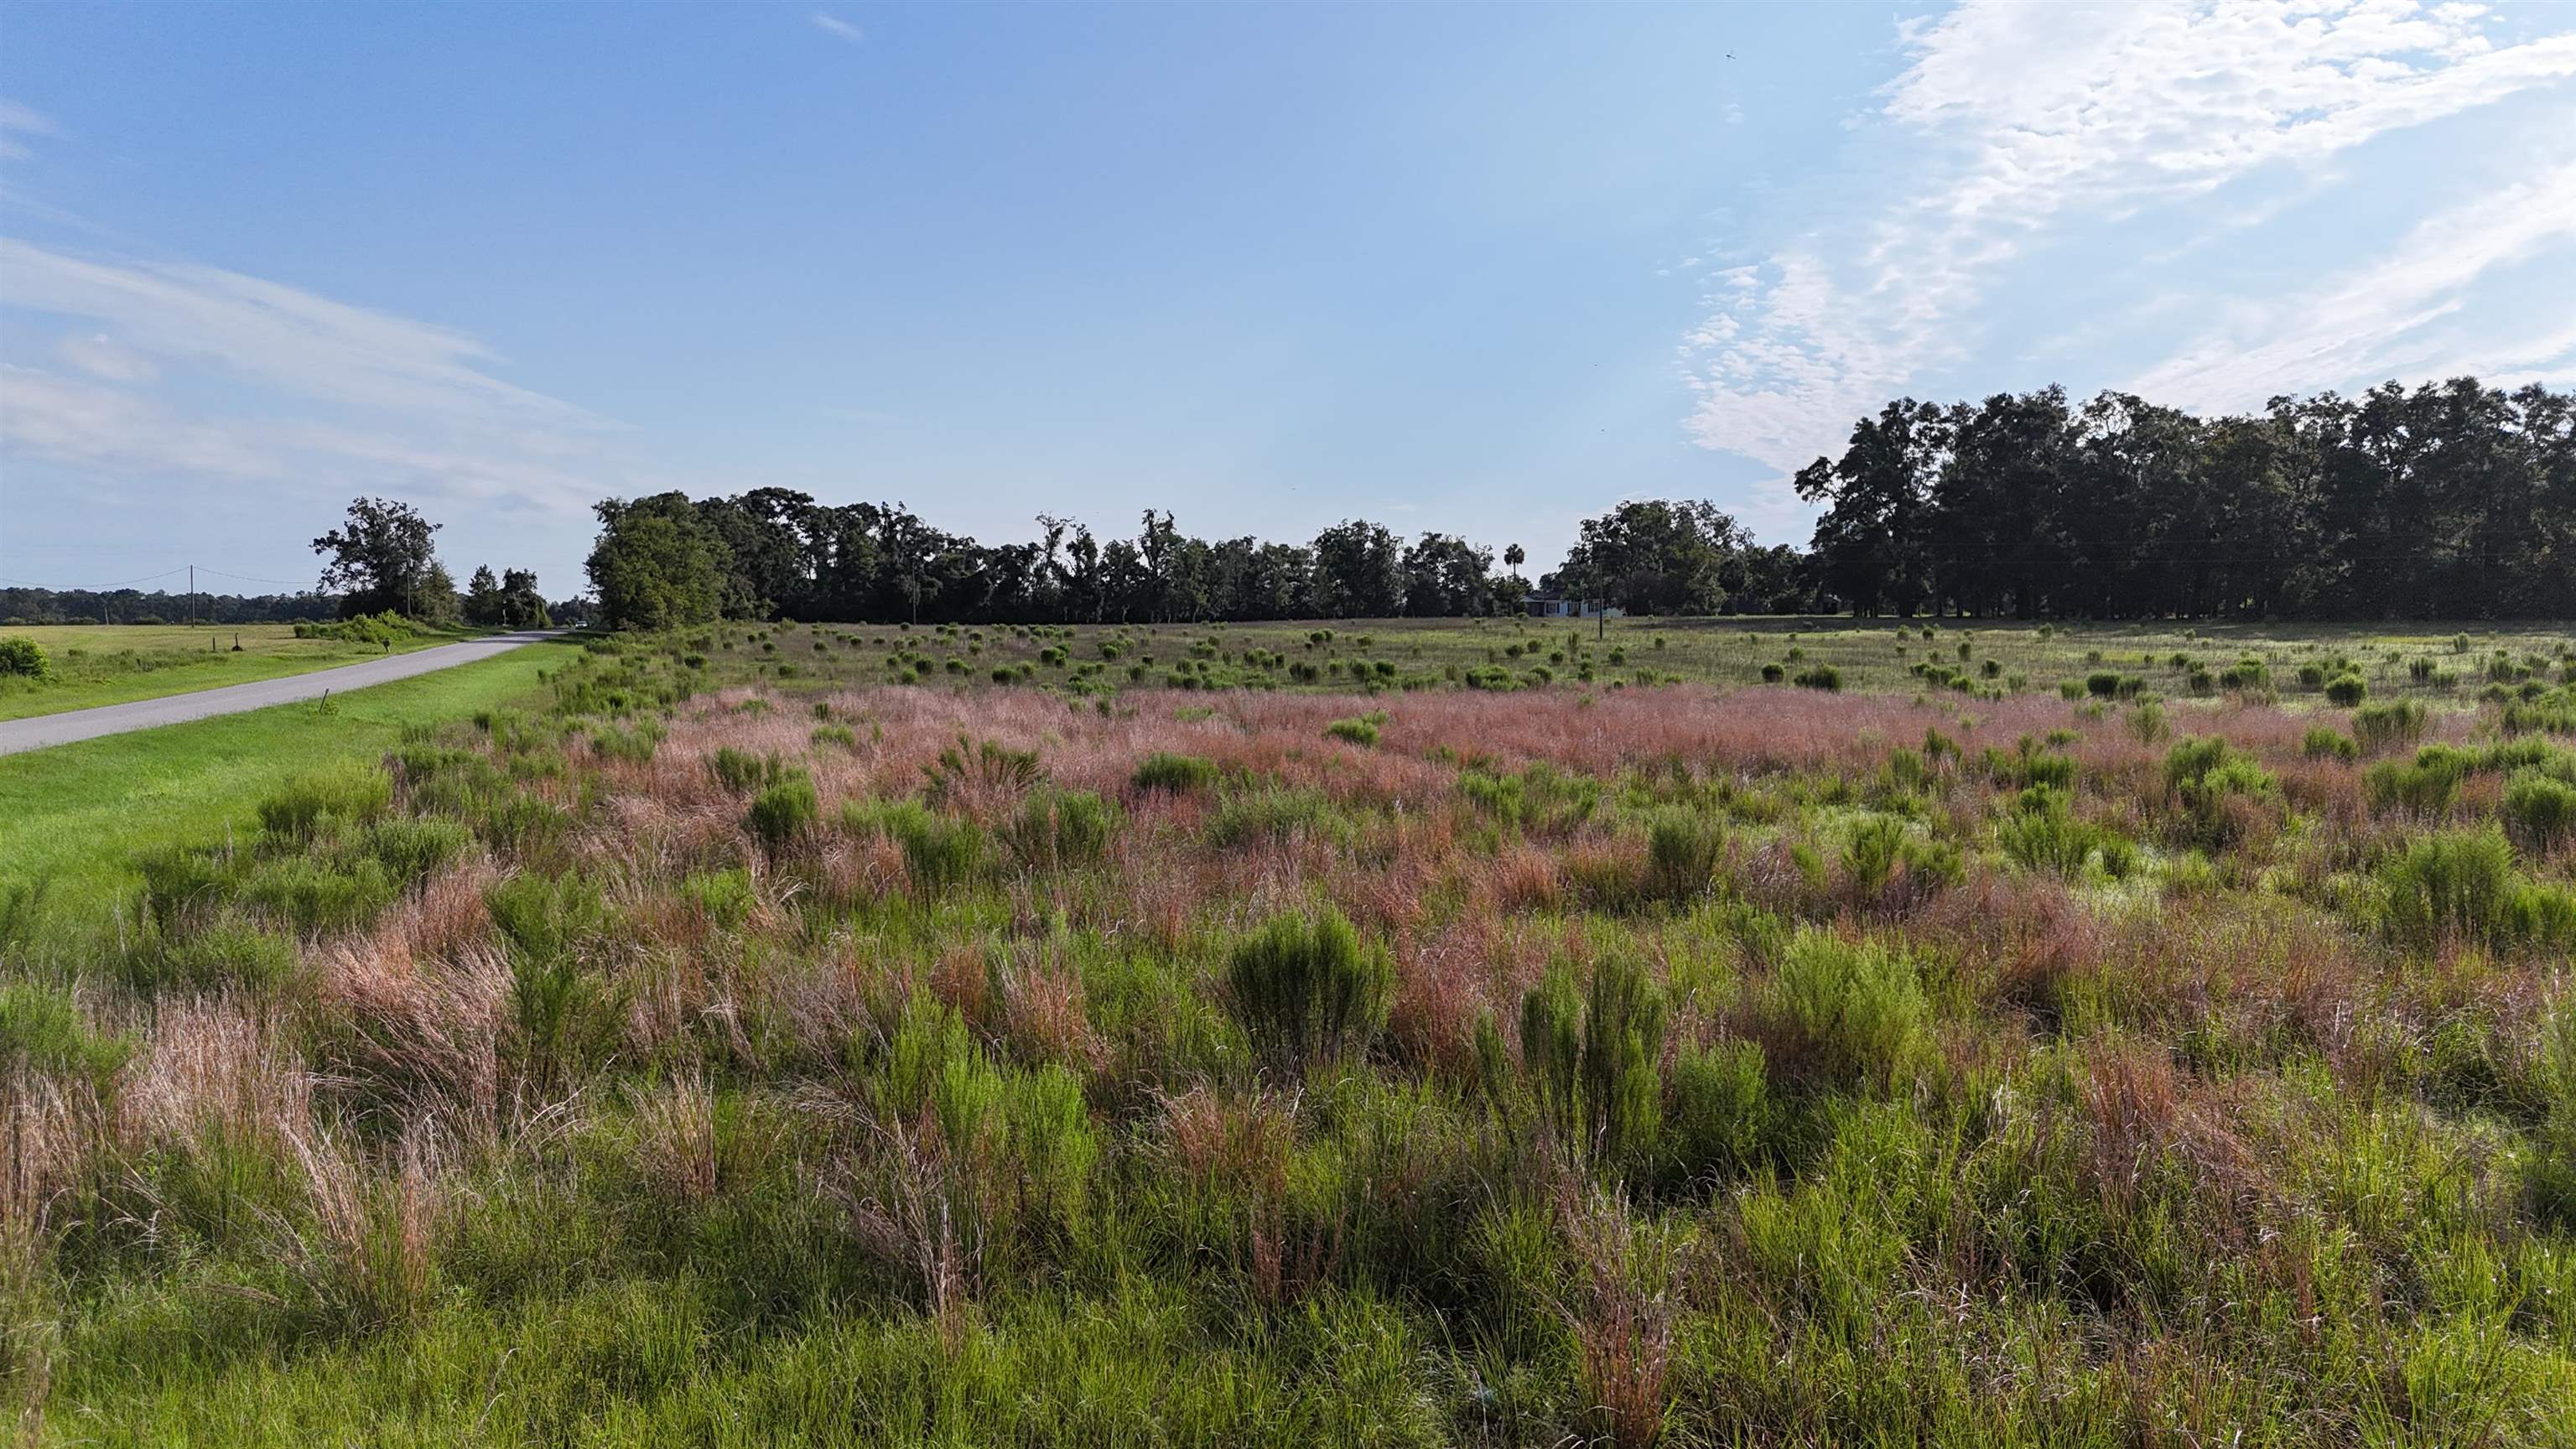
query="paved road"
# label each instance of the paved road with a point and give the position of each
(144, 714)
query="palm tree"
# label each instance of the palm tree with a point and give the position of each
(1512, 556)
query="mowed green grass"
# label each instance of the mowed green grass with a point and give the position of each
(78, 813)
(96, 664)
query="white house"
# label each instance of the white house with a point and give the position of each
(1549, 606)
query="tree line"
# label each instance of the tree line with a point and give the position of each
(2450, 500)
(160, 606)
(670, 559)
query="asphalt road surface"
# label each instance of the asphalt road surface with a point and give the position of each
(144, 714)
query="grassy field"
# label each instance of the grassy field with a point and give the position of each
(81, 813)
(95, 664)
(727, 1045)
(2288, 665)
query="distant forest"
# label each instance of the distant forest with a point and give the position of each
(2449, 501)
(129, 606)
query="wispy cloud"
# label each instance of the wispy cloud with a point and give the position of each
(103, 356)
(834, 25)
(2389, 315)
(2035, 118)
(18, 120)
(267, 381)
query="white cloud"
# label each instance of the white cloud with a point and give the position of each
(24, 121)
(272, 334)
(302, 388)
(2039, 116)
(2388, 316)
(100, 355)
(835, 25)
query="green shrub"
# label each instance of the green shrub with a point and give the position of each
(1594, 1060)
(741, 770)
(783, 811)
(1306, 991)
(23, 658)
(41, 1031)
(317, 894)
(1774, 673)
(1273, 812)
(1721, 1111)
(1845, 1012)
(1165, 771)
(937, 852)
(2389, 723)
(1682, 847)
(2540, 808)
(1821, 676)
(229, 950)
(543, 916)
(2459, 883)
(2044, 833)
(315, 804)
(1055, 828)
(1356, 731)
(2325, 742)
(2202, 775)
(2426, 785)
(2347, 689)
(414, 849)
(724, 897)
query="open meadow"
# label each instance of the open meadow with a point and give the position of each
(95, 664)
(2292, 665)
(1371, 1032)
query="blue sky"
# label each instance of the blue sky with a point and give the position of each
(1483, 269)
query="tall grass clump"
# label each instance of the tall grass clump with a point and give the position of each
(1056, 829)
(1594, 1058)
(2455, 884)
(938, 852)
(313, 805)
(43, 1033)
(2540, 808)
(1163, 770)
(2389, 724)
(741, 770)
(784, 811)
(1359, 731)
(1682, 848)
(2426, 785)
(1843, 1012)
(1306, 991)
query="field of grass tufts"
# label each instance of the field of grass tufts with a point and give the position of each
(698, 1052)
(2299, 666)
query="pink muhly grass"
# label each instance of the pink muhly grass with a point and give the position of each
(217, 1064)
(675, 1138)
(1043, 1015)
(368, 1253)
(428, 1033)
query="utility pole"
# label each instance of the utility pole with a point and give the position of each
(192, 590)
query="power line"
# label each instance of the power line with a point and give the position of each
(297, 584)
(101, 588)
(256, 579)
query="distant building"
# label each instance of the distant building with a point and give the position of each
(1552, 606)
